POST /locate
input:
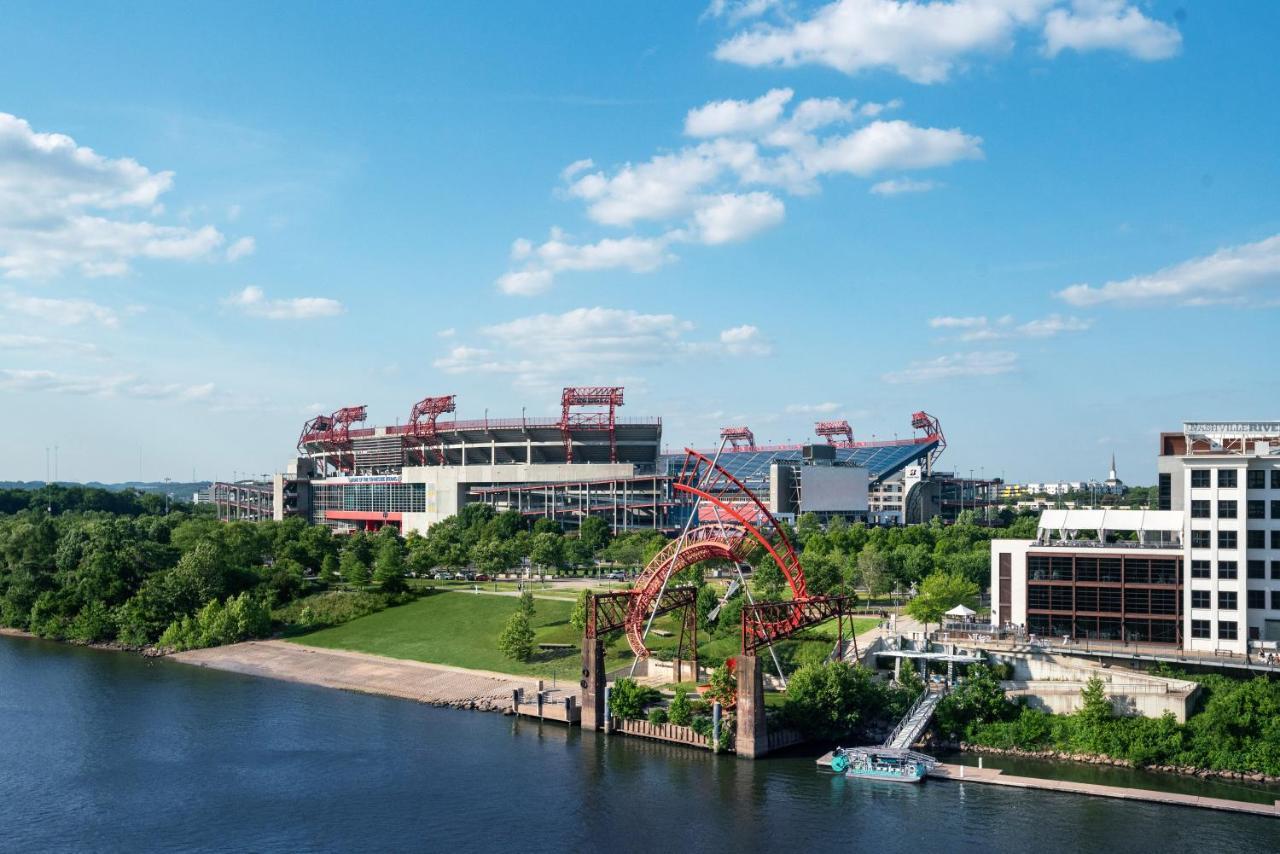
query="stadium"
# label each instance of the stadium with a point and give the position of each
(587, 462)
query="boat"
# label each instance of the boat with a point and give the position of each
(882, 763)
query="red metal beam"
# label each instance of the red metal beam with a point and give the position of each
(832, 431)
(590, 408)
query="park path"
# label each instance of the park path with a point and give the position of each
(358, 671)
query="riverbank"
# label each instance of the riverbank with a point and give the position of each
(1096, 759)
(436, 684)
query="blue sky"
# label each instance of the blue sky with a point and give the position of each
(1051, 223)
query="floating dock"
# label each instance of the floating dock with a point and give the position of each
(996, 777)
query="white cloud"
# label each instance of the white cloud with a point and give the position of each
(925, 41)
(447, 333)
(58, 312)
(893, 145)
(1228, 275)
(723, 118)
(124, 385)
(560, 254)
(589, 344)
(898, 186)
(922, 41)
(243, 247)
(956, 322)
(65, 207)
(1109, 25)
(740, 10)
(745, 340)
(955, 366)
(253, 302)
(22, 342)
(732, 217)
(979, 328)
(825, 408)
(576, 167)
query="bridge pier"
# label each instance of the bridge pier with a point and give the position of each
(593, 682)
(752, 734)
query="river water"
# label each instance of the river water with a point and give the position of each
(103, 751)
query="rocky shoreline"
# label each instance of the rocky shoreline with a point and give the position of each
(1097, 759)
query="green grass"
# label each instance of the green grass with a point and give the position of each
(460, 629)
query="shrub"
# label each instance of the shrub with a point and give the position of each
(331, 608)
(680, 711)
(830, 701)
(628, 698)
(516, 640)
(657, 716)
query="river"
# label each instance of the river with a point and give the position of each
(103, 751)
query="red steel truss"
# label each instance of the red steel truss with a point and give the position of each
(832, 431)
(738, 437)
(743, 525)
(765, 622)
(420, 435)
(932, 429)
(597, 407)
(333, 434)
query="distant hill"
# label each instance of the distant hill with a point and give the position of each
(160, 487)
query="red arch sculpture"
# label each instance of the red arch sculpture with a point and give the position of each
(732, 539)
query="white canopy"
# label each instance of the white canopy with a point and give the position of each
(961, 611)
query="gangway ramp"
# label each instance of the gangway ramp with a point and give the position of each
(914, 722)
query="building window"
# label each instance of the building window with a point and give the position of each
(1256, 509)
(1165, 492)
(1199, 478)
(1275, 600)
(1200, 629)
(1226, 510)
(1257, 599)
(1275, 478)
(1275, 539)
(1199, 509)
(1257, 569)
(1199, 539)
(1228, 540)
(1256, 539)
(1203, 569)
(1228, 569)
(1226, 600)
(1200, 599)
(1275, 509)
(1226, 478)
(1256, 479)
(1226, 630)
(1275, 570)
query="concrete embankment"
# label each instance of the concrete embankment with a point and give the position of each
(369, 674)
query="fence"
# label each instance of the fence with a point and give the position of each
(673, 733)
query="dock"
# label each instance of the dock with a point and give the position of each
(996, 777)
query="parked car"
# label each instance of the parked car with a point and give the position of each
(617, 576)
(441, 575)
(482, 577)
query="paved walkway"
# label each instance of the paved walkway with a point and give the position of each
(356, 671)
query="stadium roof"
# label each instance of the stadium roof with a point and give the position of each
(752, 467)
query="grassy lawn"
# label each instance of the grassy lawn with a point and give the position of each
(460, 629)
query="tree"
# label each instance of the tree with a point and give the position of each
(577, 553)
(526, 604)
(628, 698)
(724, 685)
(873, 567)
(547, 549)
(829, 700)
(354, 570)
(594, 533)
(767, 579)
(578, 619)
(681, 710)
(328, 569)
(389, 565)
(939, 593)
(516, 639)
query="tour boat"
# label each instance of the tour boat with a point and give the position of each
(881, 763)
